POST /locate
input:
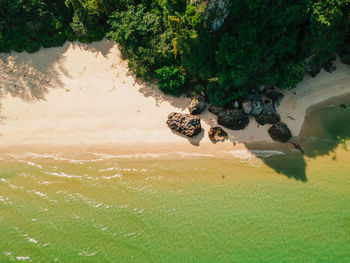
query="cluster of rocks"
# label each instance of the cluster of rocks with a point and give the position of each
(260, 103)
(329, 66)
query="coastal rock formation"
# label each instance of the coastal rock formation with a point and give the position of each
(215, 109)
(216, 13)
(217, 134)
(197, 105)
(274, 95)
(280, 132)
(268, 115)
(233, 119)
(186, 124)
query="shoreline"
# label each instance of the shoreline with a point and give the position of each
(82, 96)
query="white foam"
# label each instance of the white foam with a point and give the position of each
(114, 176)
(23, 258)
(31, 163)
(61, 174)
(248, 154)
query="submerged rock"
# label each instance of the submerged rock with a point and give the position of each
(268, 115)
(215, 109)
(186, 124)
(234, 119)
(280, 132)
(217, 134)
(197, 105)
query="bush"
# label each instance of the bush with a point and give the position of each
(171, 81)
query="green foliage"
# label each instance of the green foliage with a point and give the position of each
(255, 42)
(142, 38)
(291, 74)
(85, 28)
(171, 81)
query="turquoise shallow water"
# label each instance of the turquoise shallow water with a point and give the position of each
(251, 206)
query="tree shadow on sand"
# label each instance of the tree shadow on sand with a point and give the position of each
(30, 77)
(324, 130)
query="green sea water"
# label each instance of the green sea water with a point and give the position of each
(250, 206)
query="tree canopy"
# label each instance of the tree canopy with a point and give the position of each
(221, 47)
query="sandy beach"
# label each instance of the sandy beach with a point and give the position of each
(83, 94)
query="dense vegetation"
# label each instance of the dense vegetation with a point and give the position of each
(222, 47)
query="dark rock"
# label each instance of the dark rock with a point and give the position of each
(274, 95)
(343, 106)
(329, 66)
(257, 107)
(268, 115)
(280, 132)
(314, 70)
(197, 105)
(233, 119)
(345, 58)
(215, 109)
(186, 124)
(247, 107)
(217, 134)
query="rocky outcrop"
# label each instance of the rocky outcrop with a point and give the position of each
(280, 132)
(215, 109)
(186, 124)
(268, 115)
(216, 12)
(197, 105)
(217, 134)
(234, 119)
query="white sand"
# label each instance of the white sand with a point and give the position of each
(84, 94)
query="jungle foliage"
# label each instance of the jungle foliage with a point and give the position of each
(226, 47)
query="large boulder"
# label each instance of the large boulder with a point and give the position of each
(280, 132)
(234, 119)
(186, 124)
(217, 134)
(268, 115)
(215, 109)
(274, 95)
(197, 105)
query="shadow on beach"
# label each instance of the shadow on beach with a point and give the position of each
(30, 77)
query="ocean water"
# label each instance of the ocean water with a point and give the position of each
(248, 206)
